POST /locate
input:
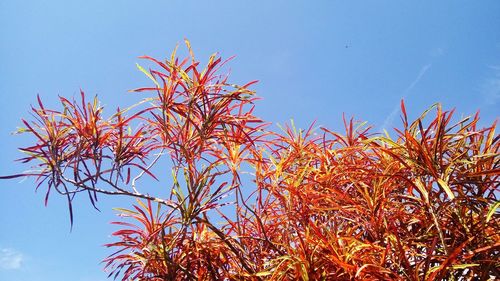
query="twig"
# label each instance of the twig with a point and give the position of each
(147, 168)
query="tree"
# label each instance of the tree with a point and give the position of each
(247, 203)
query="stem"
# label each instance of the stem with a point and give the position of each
(144, 171)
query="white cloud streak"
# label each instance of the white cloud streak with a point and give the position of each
(10, 259)
(491, 87)
(390, 118)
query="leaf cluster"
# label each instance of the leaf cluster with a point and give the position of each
(249, 203)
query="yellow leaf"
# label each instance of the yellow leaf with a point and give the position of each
(263, 273)
(148, 74)
(492, 210)
(446, 188)
(421, 188)
(463, 266)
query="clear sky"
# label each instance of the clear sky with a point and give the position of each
(315, 60)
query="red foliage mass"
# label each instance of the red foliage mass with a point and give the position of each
(248, 203)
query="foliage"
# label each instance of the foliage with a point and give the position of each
(248, 203)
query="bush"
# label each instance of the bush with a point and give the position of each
(249, 203)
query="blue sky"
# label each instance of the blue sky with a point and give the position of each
(314, 59)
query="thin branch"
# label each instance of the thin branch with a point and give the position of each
(144, 171)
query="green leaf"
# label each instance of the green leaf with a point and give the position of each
(125, 211)
(492, 210)
(20, 130)
(148, 74)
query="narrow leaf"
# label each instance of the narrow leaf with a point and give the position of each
(148, 75)
(446, 188)
(492, 211)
